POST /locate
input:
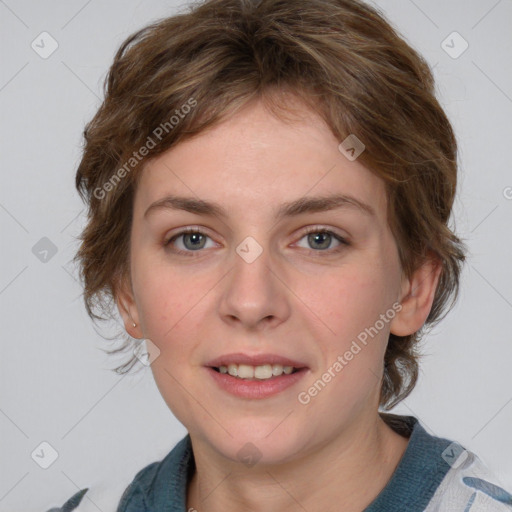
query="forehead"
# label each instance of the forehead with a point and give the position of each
(254, 162)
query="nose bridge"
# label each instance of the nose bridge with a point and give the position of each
(252, 291)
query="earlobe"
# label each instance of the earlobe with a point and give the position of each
(417, 297)
(128, 310)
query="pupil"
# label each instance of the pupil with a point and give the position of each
(313, 239)
(195, 236)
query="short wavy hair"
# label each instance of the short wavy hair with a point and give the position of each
(340, 57)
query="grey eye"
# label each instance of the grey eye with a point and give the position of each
(195, 240)
(320, 240)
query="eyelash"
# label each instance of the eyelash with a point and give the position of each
(317, 230)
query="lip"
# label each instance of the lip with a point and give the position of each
(254, 360)
(256, 389)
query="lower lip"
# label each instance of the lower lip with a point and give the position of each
(256, 389)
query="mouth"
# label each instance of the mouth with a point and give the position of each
(255, 377)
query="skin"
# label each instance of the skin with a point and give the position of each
(291, 300)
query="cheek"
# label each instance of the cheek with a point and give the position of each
(348, 305)
(171, 304)
(345, 302)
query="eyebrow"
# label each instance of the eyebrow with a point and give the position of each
(290, 209)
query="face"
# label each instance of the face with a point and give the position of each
(301, 286)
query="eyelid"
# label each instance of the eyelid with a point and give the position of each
(322, 229)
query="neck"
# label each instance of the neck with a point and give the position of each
(350, 469)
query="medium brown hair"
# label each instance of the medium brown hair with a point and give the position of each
(341, 58)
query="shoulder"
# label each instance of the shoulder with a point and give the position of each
(437, 474)
(469, 486)
(160, 485)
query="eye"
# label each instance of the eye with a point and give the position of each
(193, 240)
(321, 239)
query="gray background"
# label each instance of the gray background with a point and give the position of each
(56, 383)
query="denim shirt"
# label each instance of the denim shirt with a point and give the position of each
(433, 475)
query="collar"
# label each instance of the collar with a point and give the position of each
(419, 472)
(412, 485)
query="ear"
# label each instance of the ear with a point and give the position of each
(416, 298)
(127, 308)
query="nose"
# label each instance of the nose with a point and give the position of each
(255, 294)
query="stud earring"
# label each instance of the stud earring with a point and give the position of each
(134, 324)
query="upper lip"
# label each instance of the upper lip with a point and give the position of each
(254, 360)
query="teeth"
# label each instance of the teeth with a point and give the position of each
(261, 372)
(245, 371)
(277, 369)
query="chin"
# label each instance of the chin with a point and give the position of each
(258, 442)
